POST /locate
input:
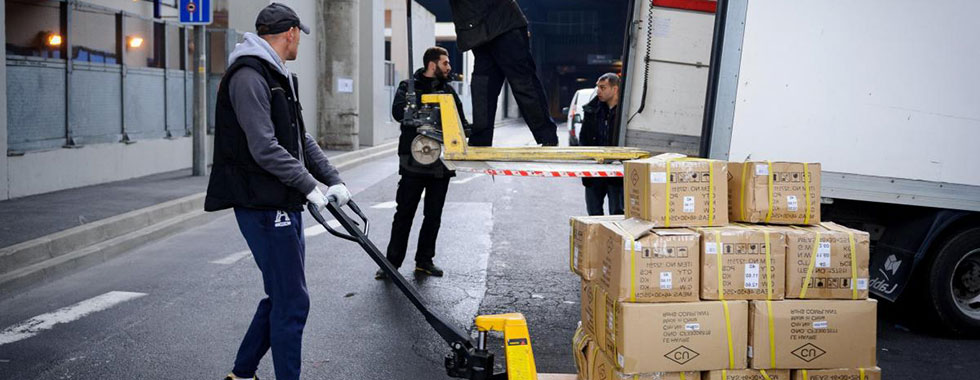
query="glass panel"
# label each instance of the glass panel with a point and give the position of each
(140, 43)
(34, 28)
(93, 36)
(174, 48)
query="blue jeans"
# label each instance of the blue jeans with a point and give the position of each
(277, 243)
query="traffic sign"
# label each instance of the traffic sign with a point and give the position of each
(196, 12)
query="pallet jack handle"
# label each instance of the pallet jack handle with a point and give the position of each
(465, 361)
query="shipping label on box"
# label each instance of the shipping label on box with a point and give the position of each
(813, 334)
(671, 337)
(677, 192)
(820, 264)
(643, 264)
(583, 245)
(747, 374)
(873, 373)
(753, 262)
(774, 192)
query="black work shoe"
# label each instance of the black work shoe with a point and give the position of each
(232, 376)
(380, 275)
(428, 269)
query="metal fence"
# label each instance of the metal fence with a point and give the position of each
(130, 85)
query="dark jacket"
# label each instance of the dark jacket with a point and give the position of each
(592, 134)
(479, 21)
(423, 85)
(237, 178)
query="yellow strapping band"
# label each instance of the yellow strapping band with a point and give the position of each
(685, 377)
(769, 265)
(806, 376)
(772, 336)
(809, 269)
(861, 370)
(718, 263)
(632, 266)
(571, 246)
(745, 186)
(769, 177)
(724, 375)
(711, 194)
(854, 269)
(764, 374)
(667, 197)
(728, 329)
(806, 190)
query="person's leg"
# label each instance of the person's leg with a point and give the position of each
(435, 200)
(277, 242)
(407, 201)
(256, 342)
(512, 53)
(615, 194)
(594, 195)
(486, 84)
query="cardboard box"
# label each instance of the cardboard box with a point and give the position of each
(643, 264)
(832, 276)
(584, 258)
(557, 376)
(581, 345)
(747, 374)
(603, 368)
(671, 337)
(873, 373)
(750, 197)
(677, 192)
(753, 262)
(593, 310)
(813, 334)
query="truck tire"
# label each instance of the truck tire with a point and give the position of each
(954, 283)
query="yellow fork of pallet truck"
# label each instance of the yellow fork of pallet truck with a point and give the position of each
(517, 343)
(454, 141)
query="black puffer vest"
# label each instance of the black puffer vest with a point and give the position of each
(236, 179)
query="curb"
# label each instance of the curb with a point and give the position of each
(49, 257)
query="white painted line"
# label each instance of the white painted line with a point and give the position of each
(233, 258)
(319, 230)
(34, 326)
(467, 179)
(385, 205)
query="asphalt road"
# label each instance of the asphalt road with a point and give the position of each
(190, 297)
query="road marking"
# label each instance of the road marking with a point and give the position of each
(319, 230)
(393, 204)
(467, 179)
(34, 326)
(309, 232)
(233, 258)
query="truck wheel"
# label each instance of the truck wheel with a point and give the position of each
(954, 283)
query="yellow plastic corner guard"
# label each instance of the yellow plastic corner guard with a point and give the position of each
(517, 343)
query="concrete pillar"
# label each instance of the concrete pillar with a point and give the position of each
(373, 117)
(4, 187)
(337, 47)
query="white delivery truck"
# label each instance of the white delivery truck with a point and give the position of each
(884, 93)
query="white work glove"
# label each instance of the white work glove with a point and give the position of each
(339, 194)
(317, 198)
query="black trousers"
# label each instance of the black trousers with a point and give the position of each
(596, 194)
(509, 57)
(407, 198)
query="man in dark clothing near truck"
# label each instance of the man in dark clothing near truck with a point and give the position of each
(266, 167)
(433, 179)
(599, 127)
(496, 31)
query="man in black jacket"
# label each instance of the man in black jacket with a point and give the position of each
(496, 31)
(599, 127)
(432, 179)
(266, 167)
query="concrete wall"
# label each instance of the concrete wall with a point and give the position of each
(373, 104)
(423, 32)
(4, 190)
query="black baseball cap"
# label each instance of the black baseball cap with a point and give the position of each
(277, 18)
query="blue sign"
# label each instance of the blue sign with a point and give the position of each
(195, 12)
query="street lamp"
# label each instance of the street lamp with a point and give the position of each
(134, 42)
(52, 39)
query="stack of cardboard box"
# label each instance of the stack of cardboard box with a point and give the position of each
(674, 291)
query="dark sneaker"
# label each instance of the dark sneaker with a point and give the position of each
(232, 376)
(428, 269)
(380, 275)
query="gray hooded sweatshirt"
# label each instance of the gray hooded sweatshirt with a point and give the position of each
(250, 97)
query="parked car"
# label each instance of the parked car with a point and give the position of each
(574, 112)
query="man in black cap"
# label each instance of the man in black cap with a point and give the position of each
(496, 31)
(266, 167)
